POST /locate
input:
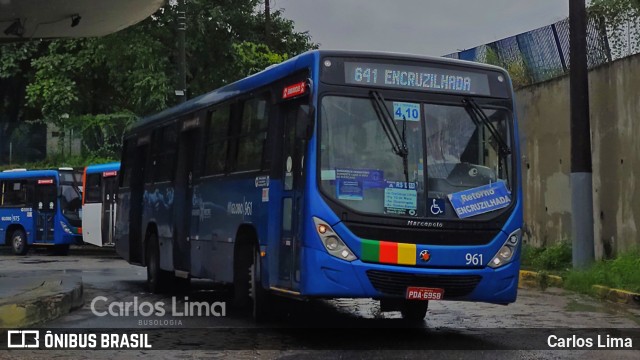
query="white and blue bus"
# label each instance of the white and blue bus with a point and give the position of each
(100, 184)
(333, 174)
(41, 208)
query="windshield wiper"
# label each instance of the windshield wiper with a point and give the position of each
(480, 118)
(398, 141)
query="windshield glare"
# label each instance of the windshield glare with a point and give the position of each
(360, 169)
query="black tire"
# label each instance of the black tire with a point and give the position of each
(181, 285)
(60, 250)
(18, 242)
(249, 295)
(158, 280)
(414, 311)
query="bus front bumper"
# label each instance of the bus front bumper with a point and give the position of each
(332, 277)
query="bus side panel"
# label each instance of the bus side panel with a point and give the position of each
(222, 206)
(19, 216)
(122, 225)
(158, 209)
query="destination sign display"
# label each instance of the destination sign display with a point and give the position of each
(417, 78)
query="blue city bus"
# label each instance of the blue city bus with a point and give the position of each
(334, 174)
(100, 186)
(41, 208)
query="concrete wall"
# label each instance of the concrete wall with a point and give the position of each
(65, 143)
(543, 111)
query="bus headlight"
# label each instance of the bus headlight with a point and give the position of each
(332, 242)
(66, 228)
(505, 254)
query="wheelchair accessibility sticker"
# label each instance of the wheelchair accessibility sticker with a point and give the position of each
(437, 207)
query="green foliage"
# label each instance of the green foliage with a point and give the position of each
(556, 257)
(622, 272)
(517, 69)
(99, 86)
(621, 18)
(59, 160)
(251, 58)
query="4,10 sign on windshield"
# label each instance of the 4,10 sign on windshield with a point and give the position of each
(416, 78)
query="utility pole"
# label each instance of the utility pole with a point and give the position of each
(267, 21)
(181, 91)
(581, 166)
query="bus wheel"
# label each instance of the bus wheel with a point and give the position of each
(249, 295)
(181, 285)
(414, 311)
(157, 279)
(19, 242)
(61, 250)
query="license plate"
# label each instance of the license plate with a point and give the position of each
(420, 293)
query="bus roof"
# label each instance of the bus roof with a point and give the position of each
(284, 69)
(93, 169)
(27, 174)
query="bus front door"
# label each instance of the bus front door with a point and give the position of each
(183, 193)
(294, 113)
(109, 190)
(44, 210)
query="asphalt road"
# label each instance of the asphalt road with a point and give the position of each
(341, 328)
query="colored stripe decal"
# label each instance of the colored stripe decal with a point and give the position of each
(388, 252)
(407, 254)
(370, 250)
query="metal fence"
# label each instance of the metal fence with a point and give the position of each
(543, 53)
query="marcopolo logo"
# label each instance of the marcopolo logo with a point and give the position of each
(184, 308)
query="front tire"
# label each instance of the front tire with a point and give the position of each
(414, 311)
(19, 242)
(158, 280)
(61, 250)
(249, 295)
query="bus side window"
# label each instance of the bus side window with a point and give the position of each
(14, 193)
(253, 134)
(217, 140)
(164, 153)
(93, 192)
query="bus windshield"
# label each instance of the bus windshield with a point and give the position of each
(458, 148)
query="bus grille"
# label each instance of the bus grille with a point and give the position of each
(392, 283)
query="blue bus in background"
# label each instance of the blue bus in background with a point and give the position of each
(333, 174)
(41, 207)
(100, 186)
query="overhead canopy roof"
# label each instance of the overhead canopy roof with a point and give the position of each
(34, 19)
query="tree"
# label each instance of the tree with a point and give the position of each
(99, 86)
(621, 20)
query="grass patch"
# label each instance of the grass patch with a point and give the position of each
(622, 272)
(553, 259)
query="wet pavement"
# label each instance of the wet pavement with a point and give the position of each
(494, 331)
